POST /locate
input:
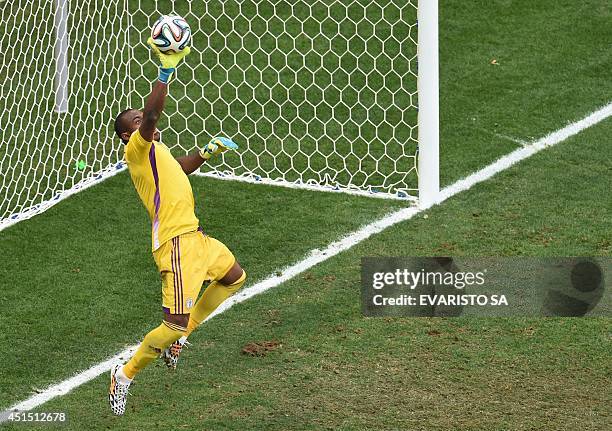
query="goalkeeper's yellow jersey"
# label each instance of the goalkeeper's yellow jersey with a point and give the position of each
(163, 187)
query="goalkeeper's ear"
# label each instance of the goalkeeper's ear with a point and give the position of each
(122, 125)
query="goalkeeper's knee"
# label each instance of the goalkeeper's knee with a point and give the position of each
(234, 276)
(236, 285)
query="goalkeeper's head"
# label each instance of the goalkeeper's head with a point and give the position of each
(128, 122)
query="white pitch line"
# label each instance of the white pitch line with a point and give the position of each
(318, 256)
(255, 179)
(95, 178)
(524, 152)
(502, 136)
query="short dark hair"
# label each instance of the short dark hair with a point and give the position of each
(120, 126)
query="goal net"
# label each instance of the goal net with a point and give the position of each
(319, 94)
(63, 75)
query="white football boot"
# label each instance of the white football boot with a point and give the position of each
(118, 391)
(171, 354)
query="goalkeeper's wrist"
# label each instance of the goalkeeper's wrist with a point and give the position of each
(205, 154)
(165, 73)
(209, 150)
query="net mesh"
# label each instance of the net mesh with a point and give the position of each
(39, 148)
(315, 92)
(320, 92)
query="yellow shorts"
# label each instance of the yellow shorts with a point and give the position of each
(185, 262)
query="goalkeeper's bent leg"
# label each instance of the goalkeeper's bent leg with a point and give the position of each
(151, 347)
(213, 296)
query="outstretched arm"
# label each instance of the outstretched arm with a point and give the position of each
(216, 146)
(155, 103)
(191, 162)
(153, 109)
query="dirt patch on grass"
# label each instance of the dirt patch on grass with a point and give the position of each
(260, 348)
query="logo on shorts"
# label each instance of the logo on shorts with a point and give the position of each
(189, 303)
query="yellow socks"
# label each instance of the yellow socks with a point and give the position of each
(167, 333)
(152, 345)
(212, 297)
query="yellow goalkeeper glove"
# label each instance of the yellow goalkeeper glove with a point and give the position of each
(217, 146)
(169, 62)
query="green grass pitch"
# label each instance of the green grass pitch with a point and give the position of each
(79, 283)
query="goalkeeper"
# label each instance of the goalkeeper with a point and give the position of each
(185, 256)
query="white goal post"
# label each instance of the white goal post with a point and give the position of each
(331, 95)
(61, 56)
(429, 102)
